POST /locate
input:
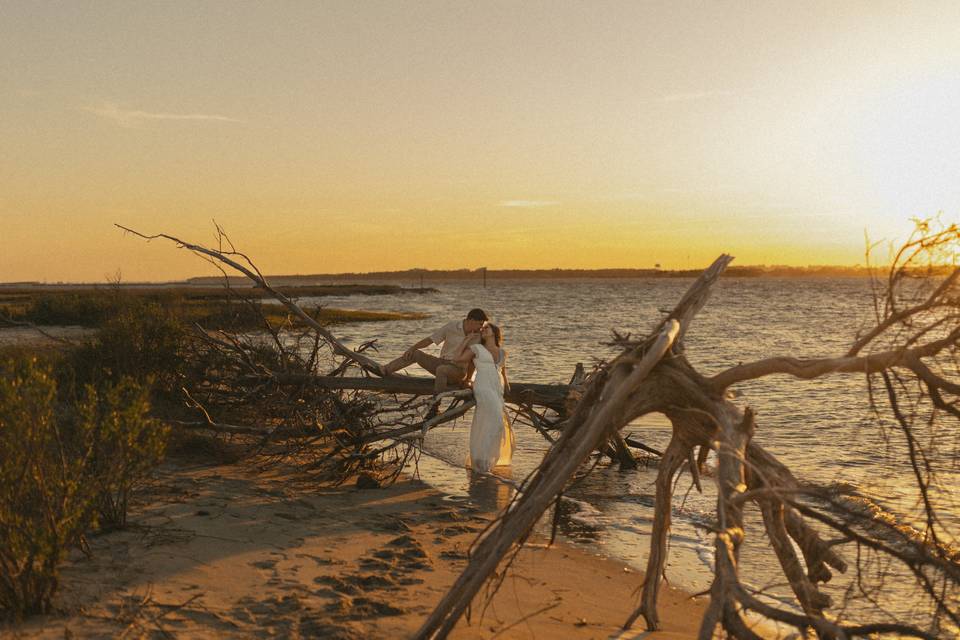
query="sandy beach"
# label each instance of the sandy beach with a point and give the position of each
(232, 552)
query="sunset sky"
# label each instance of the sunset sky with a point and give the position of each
(364, 136)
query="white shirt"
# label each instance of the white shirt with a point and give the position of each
(449, 336)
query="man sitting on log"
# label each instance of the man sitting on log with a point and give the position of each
(449, 336)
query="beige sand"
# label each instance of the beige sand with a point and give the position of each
(224, 552)
(28, 337)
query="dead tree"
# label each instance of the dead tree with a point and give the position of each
(356, 419)
(916, 332)
(907, 353)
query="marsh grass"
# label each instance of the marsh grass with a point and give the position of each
(97, 307)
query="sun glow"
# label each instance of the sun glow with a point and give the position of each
(528, 137)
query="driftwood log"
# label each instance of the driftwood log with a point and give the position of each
(654, 375)
(917, 327)
(551, 396)
(399, 422)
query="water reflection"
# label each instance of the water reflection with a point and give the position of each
(491, 492)
(567, 517)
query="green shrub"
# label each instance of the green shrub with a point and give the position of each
(64, 468)
(138, 337)
(231, 315)
(126, 444)
(46, 496)
(142, 341)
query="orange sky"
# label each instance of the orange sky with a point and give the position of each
(341, 136)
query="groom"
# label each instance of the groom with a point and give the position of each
(445, 370)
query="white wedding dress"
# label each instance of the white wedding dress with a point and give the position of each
(491, 439)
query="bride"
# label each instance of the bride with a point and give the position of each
(491, 440)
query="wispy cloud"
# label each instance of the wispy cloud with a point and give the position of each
(691, 96)
(133, 117)
(528, 204)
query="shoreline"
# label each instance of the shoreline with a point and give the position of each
(225, 551)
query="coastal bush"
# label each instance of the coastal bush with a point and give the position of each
(126, 444)
(65, 468)
(46, 497)
(88, 309)
(139, 336)
(143, 341)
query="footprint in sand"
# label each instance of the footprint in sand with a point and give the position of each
(382, 561)
(383, 569)
(392, 524)
(362, 608)
(289, 617)
(320, 627)
(403, 553)
(454, 529)
(453, 554)
(322, 562)
(371, 581)
(337, 587)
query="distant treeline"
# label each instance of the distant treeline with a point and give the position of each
(416, 275)
(309, 284)
(212, 289)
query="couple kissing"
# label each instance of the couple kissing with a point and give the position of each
(467, 346)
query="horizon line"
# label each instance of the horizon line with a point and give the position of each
(758, 269)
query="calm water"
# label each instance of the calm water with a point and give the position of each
(823, 429)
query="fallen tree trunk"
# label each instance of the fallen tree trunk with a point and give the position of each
(546, 395)
(554, 397)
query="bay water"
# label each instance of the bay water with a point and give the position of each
(823, 429)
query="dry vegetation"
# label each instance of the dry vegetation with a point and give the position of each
(83, 424)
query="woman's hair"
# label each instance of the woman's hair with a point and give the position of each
(497, 334)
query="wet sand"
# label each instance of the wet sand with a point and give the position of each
(227, 552)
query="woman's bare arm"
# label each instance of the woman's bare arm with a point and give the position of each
(465, 358)
(506, 382)
(464, 346)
